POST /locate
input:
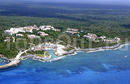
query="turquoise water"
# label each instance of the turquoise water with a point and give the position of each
(51, 53)
(103, 67)
(3, 62)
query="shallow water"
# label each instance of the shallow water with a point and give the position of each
(103, 67)
(3, 62)
(51, 53)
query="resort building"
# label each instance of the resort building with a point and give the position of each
(46, 27)
(39, 48)
(108, 40)
(35, 27)
(115, 40)
(21, 29)
(14, 30)
(28, 29)
(31, 28)
(56, 30)
(19, 35)
(42, 33)
(90, 36)
(31, 36)
(71, 31)
(102, 38)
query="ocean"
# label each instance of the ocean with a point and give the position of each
(102, 67)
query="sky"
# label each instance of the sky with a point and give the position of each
(124, 2)
(90, 1)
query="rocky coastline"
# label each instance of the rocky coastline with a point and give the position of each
(66, 53)
(5, 58)
(89, 50)
(36, 57)
(16, 61)
(100, 48)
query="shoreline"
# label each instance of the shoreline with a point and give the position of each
(74, 51)
(34, 57)
(17, 60)
(115, 47)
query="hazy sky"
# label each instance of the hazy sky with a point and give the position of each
(127, 2)
(91, 1)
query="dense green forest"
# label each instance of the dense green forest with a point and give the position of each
(107, 20)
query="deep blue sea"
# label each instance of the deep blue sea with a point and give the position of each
(102, 67)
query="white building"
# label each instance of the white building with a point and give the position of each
(8, 32)
(14, 31)
(91, 36)
(42, 33)
(19, 35)
(21, 29)
(72, 31)
(31, 36)
(56, 30)
(102, 38)
(117, 39)
(28, 29)
(46, 27)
